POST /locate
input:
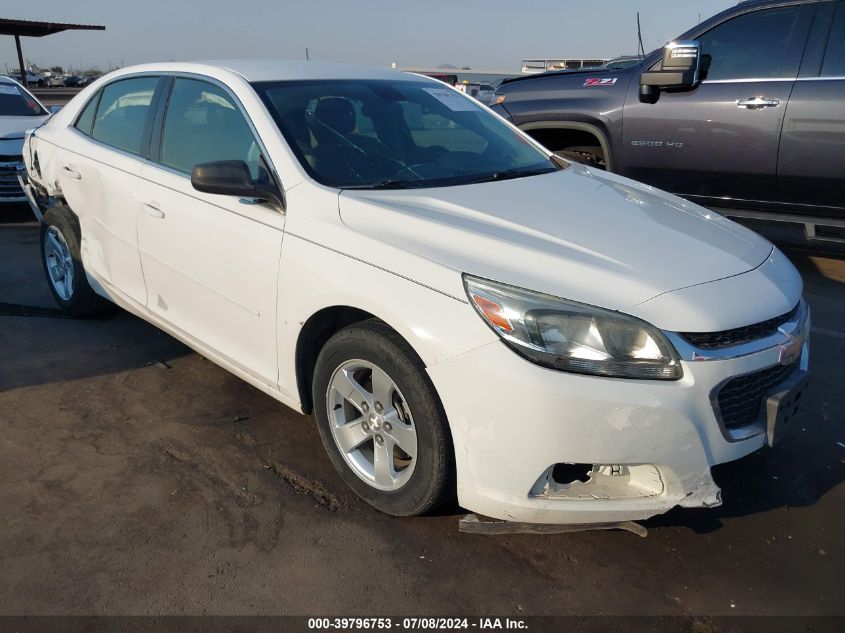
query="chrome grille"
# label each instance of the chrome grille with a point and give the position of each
(740, 335)
(10, 188)
(740, 399)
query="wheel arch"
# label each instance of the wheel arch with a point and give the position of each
(314, 334)
(576, 126)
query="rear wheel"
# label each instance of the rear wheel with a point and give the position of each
(381, 420)
(60, 256)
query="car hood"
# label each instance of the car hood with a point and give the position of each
(14, 127)
(578, 233)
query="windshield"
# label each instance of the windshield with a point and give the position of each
(367, 134)
(16, 102)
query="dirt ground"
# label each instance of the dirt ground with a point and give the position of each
(136, 478)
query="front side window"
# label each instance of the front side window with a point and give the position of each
(122, 113)
(751, 46)
(14, 101)
(834, 57)
(204, 125)
(394, 134)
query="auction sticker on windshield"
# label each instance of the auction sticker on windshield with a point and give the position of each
(451, 99)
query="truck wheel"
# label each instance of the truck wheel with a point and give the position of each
(381, 421)
(584, 158)
(60, 238)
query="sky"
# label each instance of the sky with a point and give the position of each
(482, 34)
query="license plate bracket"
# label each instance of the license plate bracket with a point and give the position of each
(782, 406)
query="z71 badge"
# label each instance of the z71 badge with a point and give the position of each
(600, 81)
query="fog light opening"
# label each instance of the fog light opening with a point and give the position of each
(570, 473)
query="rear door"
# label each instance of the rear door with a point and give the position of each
(811, 166)
(718, 143)
(211, 262)
(99, 179)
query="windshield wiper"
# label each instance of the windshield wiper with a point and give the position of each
(507, 174)
(388, 183)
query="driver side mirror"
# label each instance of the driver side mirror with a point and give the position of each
(233, 178)
(680, 69)
(53, 109)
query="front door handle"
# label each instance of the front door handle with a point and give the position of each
(153, 210)
(71, 172)
(757, 103)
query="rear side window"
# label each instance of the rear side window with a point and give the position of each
(85, 122)
(751, 46)
(122, 113)
(834, 57)
(202, 125)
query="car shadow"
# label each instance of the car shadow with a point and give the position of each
(41, 345)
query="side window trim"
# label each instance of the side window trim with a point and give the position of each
(161, 114)
(162, 100)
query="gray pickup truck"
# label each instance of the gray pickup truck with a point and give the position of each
(744, 113)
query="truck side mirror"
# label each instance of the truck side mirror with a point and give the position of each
(678, 70)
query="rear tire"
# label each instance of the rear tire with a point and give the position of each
(373, 398)
(62, 262)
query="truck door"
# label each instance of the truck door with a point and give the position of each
(718, 143)
(811, 163)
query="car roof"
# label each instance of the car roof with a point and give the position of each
(255, 70)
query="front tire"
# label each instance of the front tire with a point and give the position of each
(62, 262)
(381, 421)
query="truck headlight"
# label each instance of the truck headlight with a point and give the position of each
(571, 336)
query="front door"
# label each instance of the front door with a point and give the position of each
(211, 262)
(718, 143)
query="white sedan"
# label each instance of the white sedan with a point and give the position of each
(463, 313)
(19, 111)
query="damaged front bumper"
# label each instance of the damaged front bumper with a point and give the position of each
(643, 447)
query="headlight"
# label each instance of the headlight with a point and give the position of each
(571, 336)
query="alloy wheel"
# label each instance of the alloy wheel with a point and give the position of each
(372, 425)
(59, 263)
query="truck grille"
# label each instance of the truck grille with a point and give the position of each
(10, 188)
(740, 335)
(740, 399)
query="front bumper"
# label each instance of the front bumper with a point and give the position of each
(652, 442)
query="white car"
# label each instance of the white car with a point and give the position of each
(461, 312)
(19, 111)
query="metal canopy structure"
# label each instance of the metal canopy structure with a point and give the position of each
(29, 28)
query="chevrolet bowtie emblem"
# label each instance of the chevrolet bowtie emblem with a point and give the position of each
(791, 350)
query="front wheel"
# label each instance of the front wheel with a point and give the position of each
(60, 256)
(381, 421)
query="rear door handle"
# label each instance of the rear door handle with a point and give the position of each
(71, 172)
(757, 103)
(153, 210)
